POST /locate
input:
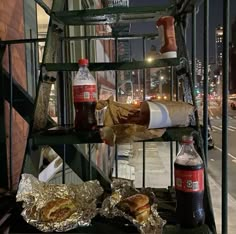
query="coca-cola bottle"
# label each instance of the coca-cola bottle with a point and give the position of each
(85, 98)
(189, 185)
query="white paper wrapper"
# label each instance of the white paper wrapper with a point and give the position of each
(36, 194)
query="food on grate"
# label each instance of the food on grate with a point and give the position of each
(137, 206)
(57, 210)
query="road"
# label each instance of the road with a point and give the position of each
(215, 155)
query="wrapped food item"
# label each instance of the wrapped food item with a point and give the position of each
(51, 207)
(163, 114)
(126, 123)
(128, 133)
(139, 207)
(57, 210)
(118, 113)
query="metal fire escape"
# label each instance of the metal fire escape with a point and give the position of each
(44, 131)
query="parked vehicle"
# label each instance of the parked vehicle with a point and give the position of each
(211, 144)
(232, 103)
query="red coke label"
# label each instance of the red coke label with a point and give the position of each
(84, 93)
(189, 180)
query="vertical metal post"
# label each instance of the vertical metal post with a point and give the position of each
(171, 143)
(3, 145)
(64, 165)
(60, 93)
(116, 86)
(63, 109)
(90, 162)
(144, 97)
(32, 50)
(177, 99)
(225, 87)
(10, 121)
(88, 49)
(194, 45)
(89, 145)
(205, 83)
(35, 80)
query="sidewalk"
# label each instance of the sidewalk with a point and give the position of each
(158, 175)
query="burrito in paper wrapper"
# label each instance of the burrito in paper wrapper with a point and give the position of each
(124, 123)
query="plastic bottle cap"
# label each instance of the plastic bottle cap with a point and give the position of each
(83, 62)
(187, 139)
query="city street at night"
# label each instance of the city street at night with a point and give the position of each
(215, 155)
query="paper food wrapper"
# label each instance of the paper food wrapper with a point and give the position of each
(128, 133)
(163, 114)
(118, 113)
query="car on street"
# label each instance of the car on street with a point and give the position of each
(232, 103)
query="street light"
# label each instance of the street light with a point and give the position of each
(149, 59)
(152, 54)
(160, 84)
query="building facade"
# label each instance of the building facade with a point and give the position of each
(232, 77)
(219, 45)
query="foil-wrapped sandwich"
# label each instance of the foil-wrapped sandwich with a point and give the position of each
(137, 206)
(57, 210)
(58, 207)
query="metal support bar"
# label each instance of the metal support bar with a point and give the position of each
(88, 55)
(3, 145)
(23, 41)
(64, 164)
(116, 86)
(144, 97)
(205, 83)
(225, 80)
(149, 36)
(35, 81)
(171, 143)
(90, 162)
(44, 6)
(123, 37)
(194, 28)
(177, 99)
(10, 120)
(125, 65)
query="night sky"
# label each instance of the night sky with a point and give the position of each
(216, 18)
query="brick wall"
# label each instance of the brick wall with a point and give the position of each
(12, 27)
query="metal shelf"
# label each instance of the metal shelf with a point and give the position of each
(111, 15)
(125, 36)
(57, 137)
(113, 66)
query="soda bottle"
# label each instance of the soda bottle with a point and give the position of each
(85, 97)
(189, 185)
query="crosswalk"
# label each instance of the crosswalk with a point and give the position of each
(219, 128)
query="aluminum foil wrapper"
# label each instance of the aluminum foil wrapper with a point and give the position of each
(35, 194)
(124, 188)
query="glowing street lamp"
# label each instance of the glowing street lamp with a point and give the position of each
(149, 59)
